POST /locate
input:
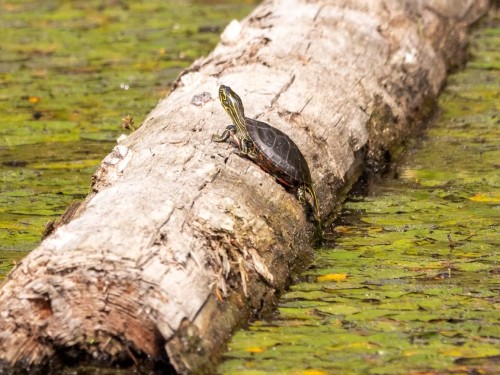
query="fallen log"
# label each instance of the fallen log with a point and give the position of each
(182, 241)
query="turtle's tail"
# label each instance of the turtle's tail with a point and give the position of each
(311, 191)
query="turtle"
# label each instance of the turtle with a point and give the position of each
(268, 147)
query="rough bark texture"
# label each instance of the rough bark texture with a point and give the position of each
(181, 240)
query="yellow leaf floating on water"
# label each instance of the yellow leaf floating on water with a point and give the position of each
(311, 372)
(411, 352)
(332, 277)
(341, 229)
(410, 174)
(33, 99)
(453, 352)
(362, 345)
(254, 349)
(486, 197)
(39, 73)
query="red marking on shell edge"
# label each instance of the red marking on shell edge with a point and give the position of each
(267, 166)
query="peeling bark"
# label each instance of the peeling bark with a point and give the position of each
(182, 241)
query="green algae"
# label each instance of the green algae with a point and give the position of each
(69, 73)
(420, 253)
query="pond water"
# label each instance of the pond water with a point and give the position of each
(69, 73)
(411, 284)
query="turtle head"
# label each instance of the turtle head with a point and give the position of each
(233, 106)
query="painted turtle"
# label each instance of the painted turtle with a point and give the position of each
(268, 147)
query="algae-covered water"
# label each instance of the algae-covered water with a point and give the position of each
(72, 75)
(412, 282)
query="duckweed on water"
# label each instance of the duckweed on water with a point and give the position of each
(69, 73)
(420, 255)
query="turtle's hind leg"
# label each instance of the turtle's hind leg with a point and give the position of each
(311, 191)
(312, 209)
(301, 196)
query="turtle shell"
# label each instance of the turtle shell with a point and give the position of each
(278, 154)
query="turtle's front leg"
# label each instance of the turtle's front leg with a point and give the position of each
(244, 145)
(229, 132)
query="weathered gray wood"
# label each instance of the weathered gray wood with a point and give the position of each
(182, 240)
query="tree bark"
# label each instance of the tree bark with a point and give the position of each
(182, 241)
